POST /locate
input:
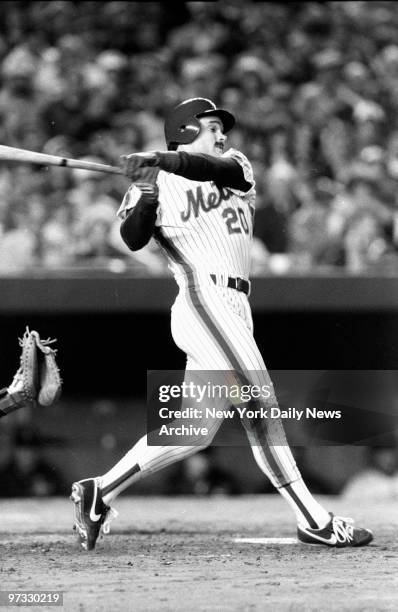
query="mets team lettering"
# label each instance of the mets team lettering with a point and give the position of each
(213, 200)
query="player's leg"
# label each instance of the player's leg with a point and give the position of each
(274, 457)
(233, 333)
(203, 353)
(267, 438)
(145, 458)
(92, 496)
(315, 524)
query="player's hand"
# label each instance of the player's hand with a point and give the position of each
(134, 163)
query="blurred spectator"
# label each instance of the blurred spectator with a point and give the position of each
(88, 191)
(20, 103)
(20, 246)
(57, 243)
(282, 176)
(260, 258)
(361, 221)
(364, 242)
(310, 242)
(93, 243)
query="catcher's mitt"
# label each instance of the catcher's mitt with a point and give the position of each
(37, 380)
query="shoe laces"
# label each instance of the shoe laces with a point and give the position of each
(110, 515)
(343, 528)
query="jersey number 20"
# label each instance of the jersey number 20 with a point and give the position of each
(235, 223)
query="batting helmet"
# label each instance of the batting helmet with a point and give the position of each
(182, 125)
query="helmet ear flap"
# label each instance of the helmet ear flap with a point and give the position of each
(186, 133)
(189, 130)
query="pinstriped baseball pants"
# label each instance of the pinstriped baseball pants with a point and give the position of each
(213, 326)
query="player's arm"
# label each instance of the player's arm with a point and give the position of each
(224, 171)
(139, 217)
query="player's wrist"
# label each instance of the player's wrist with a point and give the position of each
(152, 159)
(168, 161)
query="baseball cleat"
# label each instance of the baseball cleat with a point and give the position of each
(339, 532)
(91, 514)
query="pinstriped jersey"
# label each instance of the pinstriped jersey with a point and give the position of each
(210, 227)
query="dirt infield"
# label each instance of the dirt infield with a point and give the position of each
(167, 554)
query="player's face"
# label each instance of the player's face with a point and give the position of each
(211, 139)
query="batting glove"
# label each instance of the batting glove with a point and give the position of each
(136, 164)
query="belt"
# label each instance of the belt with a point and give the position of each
(240, 284)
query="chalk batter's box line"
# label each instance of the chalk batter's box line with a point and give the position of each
(266, 541)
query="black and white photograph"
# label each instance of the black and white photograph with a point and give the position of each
(199, 306)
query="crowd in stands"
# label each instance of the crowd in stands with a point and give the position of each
(314, 87)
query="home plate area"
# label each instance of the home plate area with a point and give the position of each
(199, 553)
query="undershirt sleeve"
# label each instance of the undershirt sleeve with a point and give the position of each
(224, 171)
(137, 227)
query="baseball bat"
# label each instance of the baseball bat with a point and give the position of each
(32, 157)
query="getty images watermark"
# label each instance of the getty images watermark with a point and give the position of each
(241, 397)
(314, 407)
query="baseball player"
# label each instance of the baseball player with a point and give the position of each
(197, 200)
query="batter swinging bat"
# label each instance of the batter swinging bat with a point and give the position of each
(31, 157)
